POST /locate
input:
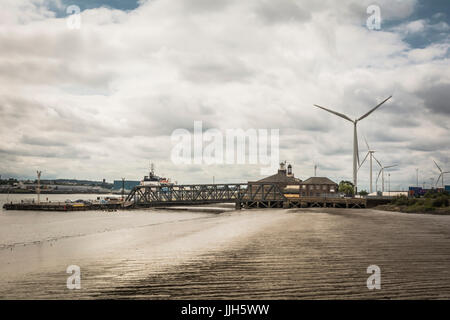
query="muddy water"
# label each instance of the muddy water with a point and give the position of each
(274, 254)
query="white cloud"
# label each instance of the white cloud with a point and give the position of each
(103, 100)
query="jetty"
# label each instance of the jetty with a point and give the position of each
(244, 196)
(63, 206)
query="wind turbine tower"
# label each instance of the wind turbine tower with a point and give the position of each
(355, 136)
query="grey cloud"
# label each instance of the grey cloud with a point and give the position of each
(217, 70)
(387, 135)
(42, 141)
(206, 5)
(52, 73)
(106, 98)
(428, 145)
(437, 98)
(69, 153)
(282, 11)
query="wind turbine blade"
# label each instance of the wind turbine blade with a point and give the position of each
(437, 181)
(379, 163)
(375, 108)
(368, 148)
(378, 175)
(363, 160)
(336, 113)
(395, 165)
(437, 166)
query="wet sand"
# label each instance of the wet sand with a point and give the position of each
(255, 254)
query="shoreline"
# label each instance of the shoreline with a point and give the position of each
(78, 192)
(445, 211)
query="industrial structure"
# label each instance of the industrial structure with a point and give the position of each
(281, 190)
(127, 185)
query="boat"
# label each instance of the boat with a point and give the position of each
(153, 180)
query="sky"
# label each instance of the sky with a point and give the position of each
(102, 101)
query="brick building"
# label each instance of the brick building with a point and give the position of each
(317, 187)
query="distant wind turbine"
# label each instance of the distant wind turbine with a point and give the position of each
(369, 153)
(441, 176)
(355, 136)
(382, 174)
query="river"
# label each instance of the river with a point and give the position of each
(248, 254)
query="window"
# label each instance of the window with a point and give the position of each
(324, 187)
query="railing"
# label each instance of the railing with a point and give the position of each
(203, 193)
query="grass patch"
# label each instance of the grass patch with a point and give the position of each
(431, 203)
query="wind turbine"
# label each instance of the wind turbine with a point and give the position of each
(369, 153)
(441, 175)
(355, 136)
(382, 174)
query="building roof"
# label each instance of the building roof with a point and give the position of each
(318, 180)
(280, 177)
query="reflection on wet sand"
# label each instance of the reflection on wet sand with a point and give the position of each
(273, 254)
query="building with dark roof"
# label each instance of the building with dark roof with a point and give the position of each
(318, 186)
(282, 178)
(289, 184)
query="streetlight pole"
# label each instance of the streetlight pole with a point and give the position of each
(389, 181)
(38, 189)
(123, 188)
(417, 176)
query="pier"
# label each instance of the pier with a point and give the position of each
(61, 206)
(244, 196)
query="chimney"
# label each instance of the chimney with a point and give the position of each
(282, 168)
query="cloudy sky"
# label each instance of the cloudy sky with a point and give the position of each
(102, 101)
